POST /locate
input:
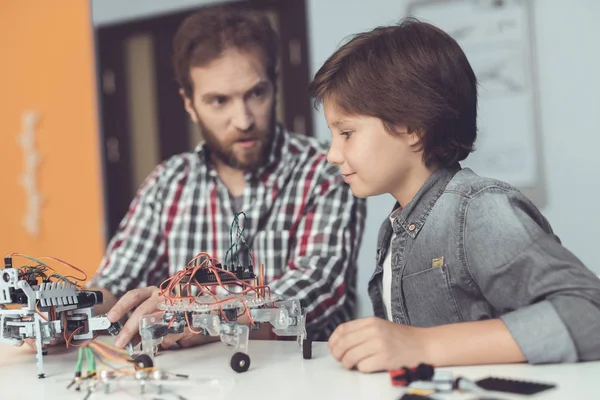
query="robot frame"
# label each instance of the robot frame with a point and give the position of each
(210, 299)
(38, 303)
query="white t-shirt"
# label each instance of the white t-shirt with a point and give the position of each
(386, 279)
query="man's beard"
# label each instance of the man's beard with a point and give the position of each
(226, 154)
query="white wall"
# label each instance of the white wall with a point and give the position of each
(105, 12)
(568, 65)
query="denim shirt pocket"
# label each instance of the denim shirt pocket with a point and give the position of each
(429, 299)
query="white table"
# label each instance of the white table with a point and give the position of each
(277, 371)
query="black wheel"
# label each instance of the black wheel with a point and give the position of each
(307, 347)
(240, 362)
(143, 361)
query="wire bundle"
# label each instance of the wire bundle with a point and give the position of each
(184, 286)
(180, 287)
(40, 270)
(239, 238)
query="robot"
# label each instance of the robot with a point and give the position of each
(205, 297)
(43, 307)
(211, 299)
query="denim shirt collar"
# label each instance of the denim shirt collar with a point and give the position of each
(413, 216)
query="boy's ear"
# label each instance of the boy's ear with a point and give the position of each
(414, 138)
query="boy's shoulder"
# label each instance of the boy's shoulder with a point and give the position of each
(469, 184)
(492, 199)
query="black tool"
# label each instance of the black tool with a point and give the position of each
(513, 385)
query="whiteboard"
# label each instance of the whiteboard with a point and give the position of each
(496, 36)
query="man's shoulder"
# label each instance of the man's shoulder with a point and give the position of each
(175, 167)
(303, 145)
(310, 154)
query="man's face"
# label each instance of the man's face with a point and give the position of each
(233, 103)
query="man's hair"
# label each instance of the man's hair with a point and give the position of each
(206, 34)
(411, 74)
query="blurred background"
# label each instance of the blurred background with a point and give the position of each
(89, 106)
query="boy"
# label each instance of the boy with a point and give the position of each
(468, 270)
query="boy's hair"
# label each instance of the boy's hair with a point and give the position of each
(411, 74)
(206, 34)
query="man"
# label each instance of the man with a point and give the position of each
(302, 221)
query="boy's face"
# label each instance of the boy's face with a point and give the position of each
(233, 103)
(372, 160)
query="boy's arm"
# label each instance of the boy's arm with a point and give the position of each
(549, 301)
(374, 344)
(471, 343)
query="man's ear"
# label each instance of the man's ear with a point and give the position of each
(188, 104)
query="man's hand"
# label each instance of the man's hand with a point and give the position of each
(186, 339)
(189, 338)
(373, 344)
(144, 301)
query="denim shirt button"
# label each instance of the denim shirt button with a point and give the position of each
(411, 227)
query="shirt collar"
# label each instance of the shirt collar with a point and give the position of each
(412, 217)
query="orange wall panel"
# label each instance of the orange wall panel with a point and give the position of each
(47, 66)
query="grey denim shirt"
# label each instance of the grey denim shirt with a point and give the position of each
(469, 248)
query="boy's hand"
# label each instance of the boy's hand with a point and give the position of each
(373, 344)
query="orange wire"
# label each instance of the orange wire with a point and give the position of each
(171, 322)
(39, 312)
(106, 353)
(72, 335)
(261, 274)
(68, 265)
(190, 325)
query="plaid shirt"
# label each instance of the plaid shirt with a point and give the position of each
(302, 222)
